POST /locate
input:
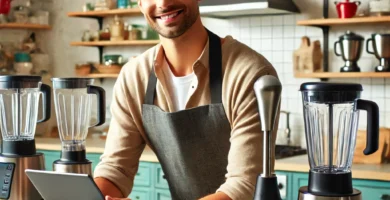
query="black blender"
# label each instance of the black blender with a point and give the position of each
(331, 115)
(19, 106)
(73, 100)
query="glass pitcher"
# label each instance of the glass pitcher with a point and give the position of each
(73, 99)
(19, 102)
(331, 114)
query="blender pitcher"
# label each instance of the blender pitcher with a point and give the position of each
(73, 99)
(331, 115)
(19, 106)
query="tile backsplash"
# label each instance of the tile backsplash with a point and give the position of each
(275, 37)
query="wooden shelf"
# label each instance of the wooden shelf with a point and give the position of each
(343, 75)
(117, 43)
(349, 21)
(106, 13)
(101, 76)
(23, 26)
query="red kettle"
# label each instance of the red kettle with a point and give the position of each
(347, 9)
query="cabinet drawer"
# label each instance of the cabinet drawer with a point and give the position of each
(161, 182)
(139, 193)
(143, 176)
(373, 190)
(163, 195)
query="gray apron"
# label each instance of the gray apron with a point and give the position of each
(192, 145)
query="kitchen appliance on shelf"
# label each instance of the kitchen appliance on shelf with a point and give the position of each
(351, 46)
(73, 100)
(347, 9)
(381, 46)
(19, 103)
(331, 116)
(267, 90)
(379, 7)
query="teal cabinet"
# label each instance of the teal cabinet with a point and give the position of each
(141, 193)
(162, 195)
(373, 190)
(150, 182)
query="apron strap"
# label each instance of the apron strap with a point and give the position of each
(215, 76)
(215, 66)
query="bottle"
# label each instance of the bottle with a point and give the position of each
(117, 29)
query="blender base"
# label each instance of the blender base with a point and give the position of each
(21, 187)
(350, 68)
(305, 195)
(72, 167)
(382, 69)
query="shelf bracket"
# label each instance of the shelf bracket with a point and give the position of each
(100, 48)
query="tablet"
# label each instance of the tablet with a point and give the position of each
(64, 186)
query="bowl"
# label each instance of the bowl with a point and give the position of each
(108, 69)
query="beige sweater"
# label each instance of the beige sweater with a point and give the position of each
(126, 137)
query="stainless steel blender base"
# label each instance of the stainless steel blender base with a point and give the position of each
(21, 187)
(73, 168)
(305, 195)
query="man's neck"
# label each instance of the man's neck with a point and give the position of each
(183, 51)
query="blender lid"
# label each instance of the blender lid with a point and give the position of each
(349, 35)
(330, 87)
(8, 82)
(71, 83)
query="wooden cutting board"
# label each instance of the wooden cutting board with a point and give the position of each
(382, 155)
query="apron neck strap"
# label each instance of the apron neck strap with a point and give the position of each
(215, 75)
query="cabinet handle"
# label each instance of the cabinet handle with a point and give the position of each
(385, 197)
(280, 186)
(137, 197)
(137, 174)
(164, 177)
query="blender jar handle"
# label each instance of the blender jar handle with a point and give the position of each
(101, 103)
(372, 109)
(335, 48)
(46, 101)
(367, 46)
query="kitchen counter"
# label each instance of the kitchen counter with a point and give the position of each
(293, 164)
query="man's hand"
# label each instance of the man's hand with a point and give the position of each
(112, 198)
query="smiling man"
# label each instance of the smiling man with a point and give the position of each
(190, 98)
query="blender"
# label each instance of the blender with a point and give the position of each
(351, 46)
(267, 90)
(73, 100)
(19, 102)
(331, 116)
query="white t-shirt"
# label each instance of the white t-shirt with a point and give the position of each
(180, 88)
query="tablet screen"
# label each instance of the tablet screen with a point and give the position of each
(64, 186)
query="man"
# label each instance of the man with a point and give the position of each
(191, 100)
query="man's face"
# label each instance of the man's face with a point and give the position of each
(170, 18)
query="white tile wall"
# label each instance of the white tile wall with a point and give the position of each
(275, 37)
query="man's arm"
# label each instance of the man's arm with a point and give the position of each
(107, 187)
(217, 196)
(115, 173)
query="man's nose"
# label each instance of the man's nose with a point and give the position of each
(164, 4)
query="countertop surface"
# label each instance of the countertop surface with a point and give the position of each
(293, 164)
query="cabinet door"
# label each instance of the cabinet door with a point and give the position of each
(163, 195)
(299, 180)
(373, 190)
(284, 184)
(161, 182)
(144, 174)
(141, 193)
